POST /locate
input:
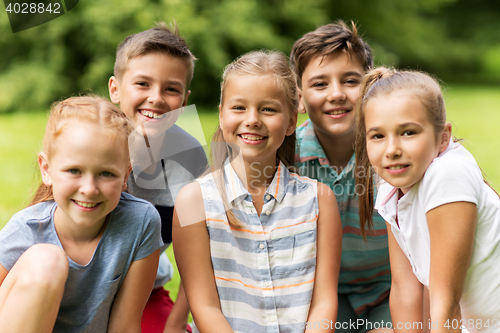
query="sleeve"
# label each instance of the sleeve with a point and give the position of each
(451, 180)
(202, 162)
(151, 234)
(14, 241)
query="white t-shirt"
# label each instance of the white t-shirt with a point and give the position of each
(451, 177)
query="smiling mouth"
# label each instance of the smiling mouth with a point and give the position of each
(251, 137)
(86, 204)
(337, 112)
(151, 114)
(397, 167)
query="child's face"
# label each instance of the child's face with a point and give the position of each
(255, 116)
(152, 85)
(330, 88)
(400, 140)
(87, 171)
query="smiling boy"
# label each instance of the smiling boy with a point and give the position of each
(330, 64)
(152, 74)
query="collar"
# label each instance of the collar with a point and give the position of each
(236, 192)
(310, 149)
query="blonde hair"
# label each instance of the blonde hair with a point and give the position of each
(272, 64)
(161, 38)
(380, 82)
(88, 109)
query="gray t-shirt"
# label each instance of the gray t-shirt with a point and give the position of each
(181, 160)
(132, 233)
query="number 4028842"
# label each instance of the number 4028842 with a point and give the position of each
(32, 8)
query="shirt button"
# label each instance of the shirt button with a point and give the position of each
(262, 246)
(268, 197)
(272, 318)
(268, 212)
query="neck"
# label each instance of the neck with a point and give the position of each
(338, 149)
(67, 230)
(255, 176)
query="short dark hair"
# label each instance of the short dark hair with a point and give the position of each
(161, 38)
(328, 39)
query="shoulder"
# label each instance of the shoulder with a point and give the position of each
(132, 207)
(191, 191)
(39, 213)
(454, 165)
(299, 184)
(189, 205)
(451, 177)
(325, 194)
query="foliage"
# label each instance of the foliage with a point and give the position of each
(75, 52)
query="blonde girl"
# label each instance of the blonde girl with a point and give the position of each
(257, 246)
(444, 220)
(83, 256)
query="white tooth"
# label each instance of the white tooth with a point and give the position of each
(86, 205)
(337, 112)
(252, 138)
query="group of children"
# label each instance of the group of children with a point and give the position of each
(279, 232)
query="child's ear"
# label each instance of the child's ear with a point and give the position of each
(445, 138)
(302, 108)
(113, 87)
(124, 185)
(43, 164)
(292, 124)
(184, 103)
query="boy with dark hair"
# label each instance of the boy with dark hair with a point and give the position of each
(330, 63)
(152, 74)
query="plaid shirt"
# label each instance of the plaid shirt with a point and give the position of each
(364, 271)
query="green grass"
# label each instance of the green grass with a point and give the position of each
(473, 111)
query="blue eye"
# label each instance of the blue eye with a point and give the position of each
(74, 171)
(106, 174)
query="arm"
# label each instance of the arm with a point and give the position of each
(192, 253)
(329, 248)
(177, 320)
(133, 294)
(406, 298)
(451, 229)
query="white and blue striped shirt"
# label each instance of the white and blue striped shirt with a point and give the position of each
(264, 271)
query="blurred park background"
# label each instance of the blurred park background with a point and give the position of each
(456, 40)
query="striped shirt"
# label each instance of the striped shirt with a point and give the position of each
(364, 269)
(264, 271)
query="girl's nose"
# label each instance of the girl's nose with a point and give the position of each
(336, 93)
(88, 186)
(252, 118)
(393, 148)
